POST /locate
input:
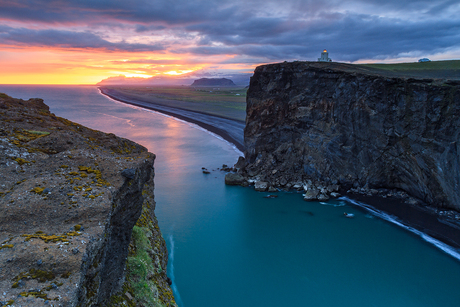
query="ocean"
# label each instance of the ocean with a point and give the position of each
(230, 246)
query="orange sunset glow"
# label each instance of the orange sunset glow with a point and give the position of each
(60, 66)
(84, 42)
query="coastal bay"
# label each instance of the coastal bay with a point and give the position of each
(230, 246)
(230, 127)
(438, 223)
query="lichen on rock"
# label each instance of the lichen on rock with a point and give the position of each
(67, 211)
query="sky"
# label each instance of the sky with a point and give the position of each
(86, 41)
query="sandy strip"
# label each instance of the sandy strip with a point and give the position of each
(229, 129)
(427, 221)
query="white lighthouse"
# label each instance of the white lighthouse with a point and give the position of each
(324, 57)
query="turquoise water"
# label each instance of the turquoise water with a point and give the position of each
(229, 246)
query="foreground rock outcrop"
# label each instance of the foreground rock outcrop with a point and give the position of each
(70, 200)
(325, 127)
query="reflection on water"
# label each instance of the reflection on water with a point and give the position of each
(230, 246)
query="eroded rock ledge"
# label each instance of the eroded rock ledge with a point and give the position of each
(325, 127)
(70, 198)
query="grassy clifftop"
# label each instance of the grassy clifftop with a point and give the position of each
(434, 69)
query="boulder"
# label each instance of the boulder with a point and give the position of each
(261, 186)
(311, 194)
(234, 179)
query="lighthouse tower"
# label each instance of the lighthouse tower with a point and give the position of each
(324, 57)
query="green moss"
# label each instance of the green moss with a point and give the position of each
(6, 246)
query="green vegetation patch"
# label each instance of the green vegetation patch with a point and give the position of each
(229, 102)
(430, 70)
(141, 287)
(438, 65)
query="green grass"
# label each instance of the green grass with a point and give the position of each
(432, 70)
(227, 102)
(434, 65)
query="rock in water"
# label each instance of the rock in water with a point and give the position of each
(67, 213)
(234, 179)
(311, 194)
(341, 123)
(261, 186)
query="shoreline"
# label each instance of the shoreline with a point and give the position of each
(427, 220)
(229, 129)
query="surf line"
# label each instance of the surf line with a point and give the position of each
(191, 124)
(387, 217)
(171, 272)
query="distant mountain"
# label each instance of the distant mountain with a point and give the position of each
(241, 79)
(213, 82)
(122, 80)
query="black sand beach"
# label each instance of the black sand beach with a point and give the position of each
(439, 224)
(229, 129)
(442, 225)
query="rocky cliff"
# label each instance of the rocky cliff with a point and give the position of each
(325, 126)
(77, 215)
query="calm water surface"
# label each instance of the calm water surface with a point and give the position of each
(229, 246)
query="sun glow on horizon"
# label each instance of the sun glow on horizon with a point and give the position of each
(37, 65)
(177, 73)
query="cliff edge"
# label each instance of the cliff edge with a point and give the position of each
(77, 215)
(325, 127)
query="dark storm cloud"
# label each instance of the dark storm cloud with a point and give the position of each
(352, 37)
(65, 39)
(135, 11)
(273, 30)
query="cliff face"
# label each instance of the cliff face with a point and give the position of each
(335, 124)
(70, 198)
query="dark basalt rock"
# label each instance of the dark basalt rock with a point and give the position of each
(334, 124)
(234, 179)
(129, 173)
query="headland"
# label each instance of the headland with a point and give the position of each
(332, 129)
(77, 214)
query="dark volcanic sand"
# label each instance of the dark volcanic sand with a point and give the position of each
(229, 129)
(425, 219)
